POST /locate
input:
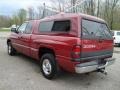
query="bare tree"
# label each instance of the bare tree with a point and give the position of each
(60, 5)
(89, 7)
(16, 20)
(109, 9)
(22, 15)
(40, 11)
(114, 3)
(30, 13)
(98, 8)
(5, 21)
(73, 2)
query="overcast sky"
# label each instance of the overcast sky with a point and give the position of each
(8, 7)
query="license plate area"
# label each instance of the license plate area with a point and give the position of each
(101, 62)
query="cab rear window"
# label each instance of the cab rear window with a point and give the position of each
(93, 29)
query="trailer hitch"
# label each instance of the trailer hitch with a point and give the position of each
(102, 71)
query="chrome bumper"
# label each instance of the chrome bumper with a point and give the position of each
(93, 66)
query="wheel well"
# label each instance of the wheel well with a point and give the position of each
(8, 41)
(44, 50)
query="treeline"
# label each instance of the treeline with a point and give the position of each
(5, 21)
(108, 10)
(17, 19)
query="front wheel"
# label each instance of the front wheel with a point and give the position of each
(11, 50)
(48, 66)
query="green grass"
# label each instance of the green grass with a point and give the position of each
(4, 30)
(116, 26)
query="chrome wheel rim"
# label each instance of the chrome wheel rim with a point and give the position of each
(46, 67)
(9, 49)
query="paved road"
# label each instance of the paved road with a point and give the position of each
(22, 73)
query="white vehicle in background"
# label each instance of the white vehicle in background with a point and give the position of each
(13, 26)
(116, 36)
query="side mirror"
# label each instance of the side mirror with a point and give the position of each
(14, 30)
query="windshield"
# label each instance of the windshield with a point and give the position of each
(92, 29)
(118, 33)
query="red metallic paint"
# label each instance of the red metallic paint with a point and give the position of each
(61, 43)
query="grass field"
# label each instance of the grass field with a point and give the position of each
(4, 30)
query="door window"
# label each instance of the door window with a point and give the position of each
(29, 28)
(22, 28)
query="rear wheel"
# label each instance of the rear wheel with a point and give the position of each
(48, 66)
(11, 50)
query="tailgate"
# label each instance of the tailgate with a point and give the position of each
(97, 41)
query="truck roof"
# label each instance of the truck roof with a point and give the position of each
(68, 15)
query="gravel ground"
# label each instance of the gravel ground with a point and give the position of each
(22, 73)
(4, 35)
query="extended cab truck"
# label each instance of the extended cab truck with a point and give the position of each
(75, 43)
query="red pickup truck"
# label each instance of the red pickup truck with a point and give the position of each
(76, 43)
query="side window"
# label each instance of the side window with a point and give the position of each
(22, 28)
(63, 26)
(53, 26)
(46, 26)
(28, 28)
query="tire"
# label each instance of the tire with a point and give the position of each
(118, 45)
(48, 66)
(10, 49)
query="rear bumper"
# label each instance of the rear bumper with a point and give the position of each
(92, 66)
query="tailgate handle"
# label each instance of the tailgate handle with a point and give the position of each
(101, 40)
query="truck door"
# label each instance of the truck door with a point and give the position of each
(25, 39)
(17, 38)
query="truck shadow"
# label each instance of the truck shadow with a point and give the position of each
(66, 78)
(29, 61)
(81, 79)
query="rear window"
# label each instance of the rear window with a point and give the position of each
(53, 26)
(92, 29)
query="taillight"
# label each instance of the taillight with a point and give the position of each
(76, 52)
